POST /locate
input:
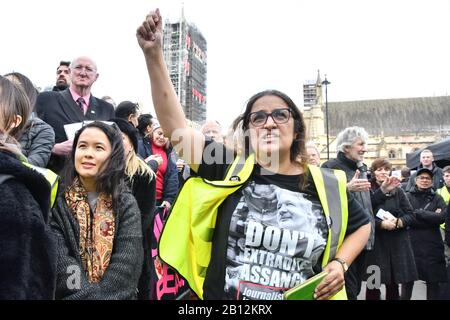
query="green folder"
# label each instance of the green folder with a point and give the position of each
(305, 291)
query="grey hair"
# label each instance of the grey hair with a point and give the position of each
(211, 121)
(311, 144)
(84, 58)
(349, 135)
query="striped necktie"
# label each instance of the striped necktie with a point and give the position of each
(81, 104)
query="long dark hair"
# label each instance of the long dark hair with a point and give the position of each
(111, 179)
(13, 102)
(30, 90)
(298, 146)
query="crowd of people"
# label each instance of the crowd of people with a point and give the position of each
(248, 215)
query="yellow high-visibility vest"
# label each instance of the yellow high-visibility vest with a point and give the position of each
(51, 177)
(186, 239)
(443, 192)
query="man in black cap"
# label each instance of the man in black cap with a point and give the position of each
(427, 161)
(425, 237)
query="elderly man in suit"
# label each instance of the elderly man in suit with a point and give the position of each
(75, 104)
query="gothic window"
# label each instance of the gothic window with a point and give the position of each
(392, 154)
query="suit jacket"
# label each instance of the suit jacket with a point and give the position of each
(59, 109)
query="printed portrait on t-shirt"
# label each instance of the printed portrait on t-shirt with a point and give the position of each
(276, 238)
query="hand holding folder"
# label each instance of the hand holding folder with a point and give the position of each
(305, 291)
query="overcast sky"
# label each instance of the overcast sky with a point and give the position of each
(369, 49)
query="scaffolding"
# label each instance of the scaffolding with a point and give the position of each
(185, 55)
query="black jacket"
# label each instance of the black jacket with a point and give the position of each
(392, 251)
(144, 190)
(27, 248)
(349, 167)
(59, 109)
(121, 277)
(425, 235)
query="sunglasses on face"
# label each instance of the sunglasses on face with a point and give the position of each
(279, 116)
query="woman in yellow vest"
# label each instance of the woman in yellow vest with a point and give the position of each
(245, 255)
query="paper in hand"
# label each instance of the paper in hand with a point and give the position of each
(72, 128)
(384, 215)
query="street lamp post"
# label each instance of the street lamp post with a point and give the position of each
(326, 83)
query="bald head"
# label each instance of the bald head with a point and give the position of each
(83, 74)
(84, 59)
(212, 129)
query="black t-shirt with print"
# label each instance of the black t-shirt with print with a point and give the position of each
(269, 236)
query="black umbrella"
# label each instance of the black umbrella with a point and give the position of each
(441, 154)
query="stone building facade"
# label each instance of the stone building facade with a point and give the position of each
(395, 126)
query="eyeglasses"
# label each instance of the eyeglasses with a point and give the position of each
(423, 178)
(88, 69)
(279, 116)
